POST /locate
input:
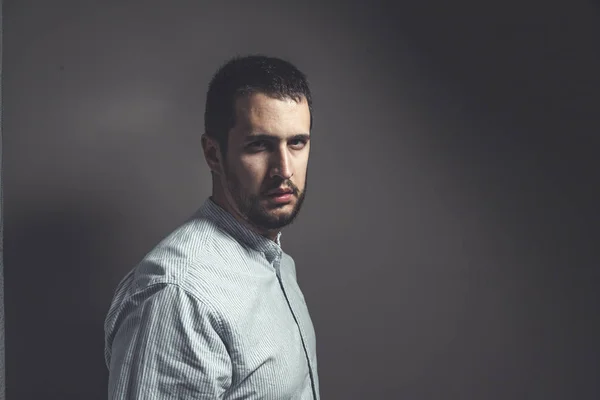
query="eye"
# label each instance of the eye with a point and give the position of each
(298, 143)
(259, 144)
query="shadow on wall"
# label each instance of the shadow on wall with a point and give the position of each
(55, 252)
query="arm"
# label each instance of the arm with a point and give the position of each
(167, 346)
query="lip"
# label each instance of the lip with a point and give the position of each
(279, 191)
(285, 197)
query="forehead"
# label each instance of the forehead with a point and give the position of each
(261, 113)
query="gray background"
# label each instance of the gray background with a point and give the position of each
(448, 244)
(2, 369)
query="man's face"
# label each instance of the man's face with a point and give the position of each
(268, 149)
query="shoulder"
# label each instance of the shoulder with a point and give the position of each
(287, 258)
(184, 254)
(287, 263)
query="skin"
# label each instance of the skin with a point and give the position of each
(255, 165)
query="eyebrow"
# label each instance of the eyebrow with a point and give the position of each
(271, 138)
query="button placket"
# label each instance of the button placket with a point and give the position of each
(276, 265)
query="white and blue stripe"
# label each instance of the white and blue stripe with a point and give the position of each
(213, 312)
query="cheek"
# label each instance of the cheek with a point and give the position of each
(251, 174)
(302, 171)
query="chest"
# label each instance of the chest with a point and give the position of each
(271, 340)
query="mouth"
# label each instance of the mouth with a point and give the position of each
(280, 191)
(281, 196)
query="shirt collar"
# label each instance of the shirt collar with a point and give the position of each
(271, 249)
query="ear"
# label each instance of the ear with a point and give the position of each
(212, 153)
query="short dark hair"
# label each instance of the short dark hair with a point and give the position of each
(242, 76)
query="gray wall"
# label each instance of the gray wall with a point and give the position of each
(448, 245)
(2, 369)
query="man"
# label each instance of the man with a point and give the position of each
(214, 311)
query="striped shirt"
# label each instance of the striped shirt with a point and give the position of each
(213, 312)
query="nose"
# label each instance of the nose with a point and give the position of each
(281, 165)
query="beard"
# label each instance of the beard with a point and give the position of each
(252, 208)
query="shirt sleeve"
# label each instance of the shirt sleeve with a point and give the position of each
(167, 346)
